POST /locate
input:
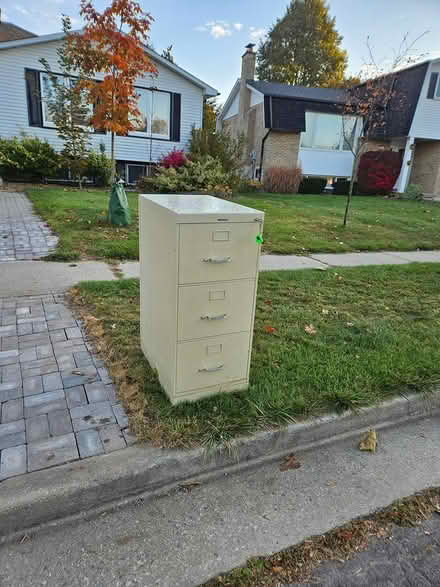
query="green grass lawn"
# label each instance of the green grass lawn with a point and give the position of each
(324, 341)
(79, 218)
(293, 224)
(304, 224)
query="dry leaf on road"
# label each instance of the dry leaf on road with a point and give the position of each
(368, 441)
(290, 463)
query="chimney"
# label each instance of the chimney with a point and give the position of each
(247, 73)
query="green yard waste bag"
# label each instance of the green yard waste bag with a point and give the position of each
(118, 210)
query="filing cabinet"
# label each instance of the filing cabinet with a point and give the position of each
(199, 259)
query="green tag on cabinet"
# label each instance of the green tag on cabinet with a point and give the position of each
(259, 239)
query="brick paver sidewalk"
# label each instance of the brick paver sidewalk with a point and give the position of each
(57, 402)
(23, 235)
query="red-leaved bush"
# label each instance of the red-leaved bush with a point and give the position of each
(378, 171)
(175, 158)
(282, 180)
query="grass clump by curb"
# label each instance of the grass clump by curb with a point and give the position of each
(324, 341)
(297, 563)
(79, 218)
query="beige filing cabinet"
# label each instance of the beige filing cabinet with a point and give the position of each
(199, 267)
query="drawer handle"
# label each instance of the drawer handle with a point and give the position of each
(218, 317)
(217, 260)
(211, 369)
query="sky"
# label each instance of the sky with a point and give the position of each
(208, 36)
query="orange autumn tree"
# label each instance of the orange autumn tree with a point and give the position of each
(112, 43)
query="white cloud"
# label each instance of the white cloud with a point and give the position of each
(237, 26)
(21, 10)
(255, 34)
(219, 29)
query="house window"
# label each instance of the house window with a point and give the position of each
(437, 89)
(331, 132)
(155, 110)
(48, 95)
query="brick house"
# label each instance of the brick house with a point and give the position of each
(292, 126)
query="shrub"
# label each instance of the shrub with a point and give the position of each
(219, 145)
(98, 168)
(282, 180)
(175, 158)
(249, 186)
(27, 159)
(378, 171)
(413, 192)
(312, 185)
(204, 175)
(341, 187)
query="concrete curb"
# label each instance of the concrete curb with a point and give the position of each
(44, 496)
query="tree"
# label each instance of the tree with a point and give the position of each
(167, 54)
(68, 108)
(369, 107)
(303, 47)
(112, 43)
(210, 111)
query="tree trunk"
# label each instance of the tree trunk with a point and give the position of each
(350, 191)
(113, 173)
(347, 205)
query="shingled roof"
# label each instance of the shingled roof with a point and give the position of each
(12, 32)
(277, 90)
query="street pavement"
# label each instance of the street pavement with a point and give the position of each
(185, 537)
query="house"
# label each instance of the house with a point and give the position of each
(171, 103)
(290, 126)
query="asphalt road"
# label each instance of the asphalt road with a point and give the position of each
(187, 536)
(410, 558)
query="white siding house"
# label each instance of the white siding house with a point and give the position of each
(178, 95)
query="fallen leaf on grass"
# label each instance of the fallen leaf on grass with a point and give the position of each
(278, 570)
(290, 463)
(368, 441)
(269, 329)
(310, 329)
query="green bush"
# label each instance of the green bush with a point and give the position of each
(204, 175)
(219, 145)
(98, 168)
(312, 185)
(249, 186)
(27, 159)
(341, 187)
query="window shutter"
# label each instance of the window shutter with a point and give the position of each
(33, 94)
(176, 106)
(432, 85)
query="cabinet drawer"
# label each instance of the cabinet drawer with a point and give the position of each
(214, 309)
(218, 252)
(212, 361)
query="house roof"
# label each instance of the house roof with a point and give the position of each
(278, 90)
(12, 32)
(208, 90)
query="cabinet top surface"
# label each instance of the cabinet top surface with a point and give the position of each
(190, 204)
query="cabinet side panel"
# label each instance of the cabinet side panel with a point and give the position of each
(158, 285)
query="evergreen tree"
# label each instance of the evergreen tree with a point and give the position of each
(303, 47)
(68, 107)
